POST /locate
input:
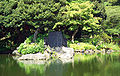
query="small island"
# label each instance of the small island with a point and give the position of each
(55, 46)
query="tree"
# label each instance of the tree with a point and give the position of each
(78, 15)
(24, 12)
(19, 17)
(112, 24)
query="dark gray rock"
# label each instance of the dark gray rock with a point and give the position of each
(56, 39)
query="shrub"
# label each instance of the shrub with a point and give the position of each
(101, 46)
(113, 46)
(109, 46)
(29, 39)
(82, 46)
(28, 47)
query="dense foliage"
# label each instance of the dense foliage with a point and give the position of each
(93, 21)
(28, 12)
(19, 18)
(77, 17)
(112, 23)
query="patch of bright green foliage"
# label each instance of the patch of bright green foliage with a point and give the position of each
(89, 46)
(112, 46)
(82, 46)
(28, 47)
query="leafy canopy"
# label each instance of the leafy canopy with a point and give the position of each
(77, 15)
(38, 13)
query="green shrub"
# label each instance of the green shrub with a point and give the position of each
(82, 46)
(113, 46)
(97, 39)
(29, 39)
(108, 46)
(68, 43)
(28, 47)
(20, 48)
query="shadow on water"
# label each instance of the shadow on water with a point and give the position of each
(97, 66)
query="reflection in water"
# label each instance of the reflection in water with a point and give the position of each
(54, 69)
(50, 68)
(98, 66)
(33, 69)
(9, 67)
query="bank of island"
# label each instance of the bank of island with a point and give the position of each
(56, 46)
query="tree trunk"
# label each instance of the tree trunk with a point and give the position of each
(119, 40)
(35, 35)
(73, 36)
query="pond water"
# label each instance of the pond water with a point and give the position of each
(94, 67)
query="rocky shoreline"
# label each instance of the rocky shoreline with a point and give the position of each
(90, 52)
(64, 53)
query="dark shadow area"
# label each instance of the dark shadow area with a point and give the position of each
(4, 50)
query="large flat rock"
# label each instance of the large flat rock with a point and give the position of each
(38, 56)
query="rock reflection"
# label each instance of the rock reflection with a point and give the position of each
(97, 66)
(44, 68)
(55, 68)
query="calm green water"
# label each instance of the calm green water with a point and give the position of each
(95, 67)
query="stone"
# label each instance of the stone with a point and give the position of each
(67, 53)
(103, 51)
(65, 56)
(91, 52)
(97, 51)
(68, 50)
(57, 49)
(56, 39)
(15, 52)
(47, 55)
(38, 56)
(87, 52)
(109, 51)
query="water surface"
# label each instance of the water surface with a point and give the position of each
(109, 66)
